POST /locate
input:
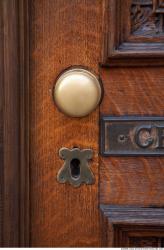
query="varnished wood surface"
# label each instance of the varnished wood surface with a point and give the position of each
(132, 226)
(9, 124)
(1, 121)
(132, 180)
(62, 33)
(24, 199)
(132, 33)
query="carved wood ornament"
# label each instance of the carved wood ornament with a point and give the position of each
(147, 18)
(133, 33)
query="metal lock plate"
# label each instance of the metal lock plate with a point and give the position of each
(75, 169)
(128, 136)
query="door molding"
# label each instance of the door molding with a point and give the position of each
(14, 120)
(130, 38)
(129, 226)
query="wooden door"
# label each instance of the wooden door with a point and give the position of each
(122, 43)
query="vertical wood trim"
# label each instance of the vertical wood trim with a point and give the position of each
(10, 125)
(24, 121)
(1, 121)
(14, 176)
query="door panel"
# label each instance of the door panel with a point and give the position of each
(133, 37)
(132, 180)
(63, 33)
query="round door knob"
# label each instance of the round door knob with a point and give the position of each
(77, 92)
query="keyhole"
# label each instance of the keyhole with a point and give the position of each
(75, 168)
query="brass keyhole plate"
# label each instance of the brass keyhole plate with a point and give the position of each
(75, 169)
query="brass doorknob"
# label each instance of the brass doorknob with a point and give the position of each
(77, 92)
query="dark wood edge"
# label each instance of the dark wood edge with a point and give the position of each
(116, 218)
(10, 120)
(14, 212)
(133, 214)
(132, 62)
(1, 120)
(24, 123)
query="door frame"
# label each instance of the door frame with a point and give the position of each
(14, 123)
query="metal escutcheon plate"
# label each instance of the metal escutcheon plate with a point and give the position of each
(75, 169)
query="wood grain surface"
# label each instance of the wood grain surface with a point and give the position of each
(9, 124)
(130, 226)
(132, 180)
(62, 33)
(132, 33)
(23, 35)
(1, 121)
